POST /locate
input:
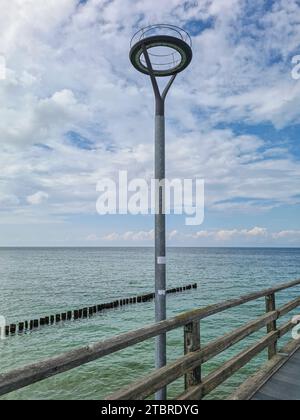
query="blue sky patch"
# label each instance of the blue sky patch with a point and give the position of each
(79, 141)
(195, 26)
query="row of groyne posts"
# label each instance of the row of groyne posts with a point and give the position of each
(77, 314)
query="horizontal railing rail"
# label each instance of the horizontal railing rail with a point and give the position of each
(188, 366)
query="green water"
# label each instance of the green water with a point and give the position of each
(37, 282)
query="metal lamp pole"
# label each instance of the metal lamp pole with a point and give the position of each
(177, 61)
(160, 217)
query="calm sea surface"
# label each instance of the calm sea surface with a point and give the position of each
(37, 282)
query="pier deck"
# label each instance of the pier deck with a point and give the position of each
(284, 385)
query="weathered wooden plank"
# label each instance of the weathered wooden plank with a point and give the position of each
(272, 326)
(203, 313)
(289, 307)
(164, 376)
(192, 344)
(284, 385)
(286, 328)
(247, 390)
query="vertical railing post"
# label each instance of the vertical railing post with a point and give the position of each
(192, 343)
(272, 326)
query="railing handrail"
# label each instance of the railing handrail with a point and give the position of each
(36, 372)
(162, 377)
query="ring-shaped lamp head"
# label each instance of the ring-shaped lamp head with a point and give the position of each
(169, 48)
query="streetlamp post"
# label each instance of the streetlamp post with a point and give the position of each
(155, 53)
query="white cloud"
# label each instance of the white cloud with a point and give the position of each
(287, 234)
(92, 238)
(37, 198)
(68, 70)
(215, 237)
(257, 231)
(130, 236)
(231, 234)
(112, 237)
(135, 236)
(202, 234)
(173, 234)
(226, 235)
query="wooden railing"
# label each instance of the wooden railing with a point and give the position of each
(189, 365)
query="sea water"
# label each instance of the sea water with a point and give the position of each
(42, 281)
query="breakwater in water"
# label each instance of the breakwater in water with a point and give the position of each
(77, 314)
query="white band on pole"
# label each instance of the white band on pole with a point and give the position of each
(161, 260)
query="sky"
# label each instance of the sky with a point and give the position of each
(74, 111)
